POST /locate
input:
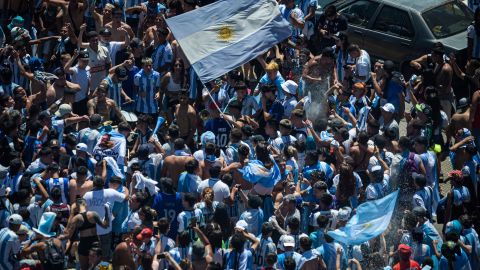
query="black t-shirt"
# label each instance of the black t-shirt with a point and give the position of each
(332, 26)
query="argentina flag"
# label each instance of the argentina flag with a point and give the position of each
(221, 36)
(371, 219)
(254, 172)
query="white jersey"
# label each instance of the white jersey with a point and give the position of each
(96, 201)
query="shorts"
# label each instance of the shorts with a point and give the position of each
(106, 245)
(85, 244)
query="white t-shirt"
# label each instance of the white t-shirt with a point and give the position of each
(81, 77)
(220, 189)
(96, 201)
(362, 66)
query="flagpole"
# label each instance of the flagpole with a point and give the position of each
(216, 106)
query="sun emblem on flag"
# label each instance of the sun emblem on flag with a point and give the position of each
(367, 225)
(225, 33)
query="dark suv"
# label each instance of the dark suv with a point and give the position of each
(401, 30)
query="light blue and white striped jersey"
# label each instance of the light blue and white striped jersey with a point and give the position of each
(9, 247)
(328, 251)
(16, 74)
(180, 253)
(12, 182)
(281, 258)
(61, 183)
(114, 91)
(184, 221)
(239, 261)
(149, 85)
(265, 247)
(167, 245)
(59, 126)
(162, 55)
(254, 219)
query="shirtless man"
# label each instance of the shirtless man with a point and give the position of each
(104, 106)
(187, 117)
(175, 164)
(84, 185)
(461, 119)
(116, 23)
(62, 88)
(73, 12)
(361, 154)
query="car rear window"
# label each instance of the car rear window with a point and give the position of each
(448, 20)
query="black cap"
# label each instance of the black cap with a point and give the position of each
(248, 130)
(105, 32)
(83, 54)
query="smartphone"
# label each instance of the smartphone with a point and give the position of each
(160, 256)
(155, 230)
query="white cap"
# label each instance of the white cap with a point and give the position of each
(290, 87)
(375, 168)
(389, 108)
(288, 241)
(81, 147)
(15, 219)
(241, 225)
(466, 171)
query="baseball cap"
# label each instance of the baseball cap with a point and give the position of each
(81, 147)
(288, 241)
(105, 32)
(15, 219)
(146, 233)
(453, 226)
(462, 103)
(376, 168)
(241, 225)
(83, 54)
(404, 249)
(63, 110)
(389, 108)
(207, 137)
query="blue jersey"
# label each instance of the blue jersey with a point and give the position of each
(148, 84)
(169, 206)
(221, 129)
(240, 261)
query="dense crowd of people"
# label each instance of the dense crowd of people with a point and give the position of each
(114, 155)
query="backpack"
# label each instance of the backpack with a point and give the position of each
(53, 254)
(405, 179)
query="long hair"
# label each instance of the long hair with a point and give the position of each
(182, 73)
(346, 184)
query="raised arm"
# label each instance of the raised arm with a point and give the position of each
(80, 43)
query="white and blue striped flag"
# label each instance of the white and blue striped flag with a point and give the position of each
(219, 37)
